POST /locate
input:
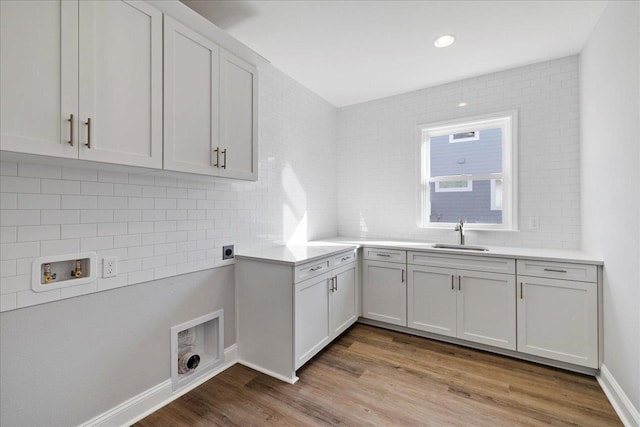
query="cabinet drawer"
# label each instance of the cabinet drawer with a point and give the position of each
(466, 262)
(389, 255)
(558, 270)
(311, 269)
(344, 258)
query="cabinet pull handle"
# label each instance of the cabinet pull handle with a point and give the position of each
(403, 275)
(556, 270)
(452, 282)
(335, 281)
(70, 120)
(344, 258)
(460, 283)
(224, 157)
(217, 151)
(88, 123)
(315, 268)
(521, 290)
(385, 255)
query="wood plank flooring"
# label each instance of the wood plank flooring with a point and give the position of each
(372, 376)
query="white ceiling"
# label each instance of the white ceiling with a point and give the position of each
(355, 51)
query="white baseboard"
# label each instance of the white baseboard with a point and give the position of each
(156, 397)
(259, 368)
(624, 408)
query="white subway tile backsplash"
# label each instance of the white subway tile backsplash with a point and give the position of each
(140, 251)
(110, 202)
(8, 200)
(112, 228)
(8, 234)
(96, 243)
(39, 171)
(141, 276)
(79, 202)
(8, 168)
(113, 177)
(140, 203)
(19, 250)
(140, 227)
(72, 231)
(75, 174)
(15, 284)
(127, 215)
(96, 216)
(59, 216)
(153, 191)
(96, 188)
(15, 184)
(58, 186)
(127, 190)
(38, 201)
(8, 268)
(127, 241)
(33, 233)
(59, 247)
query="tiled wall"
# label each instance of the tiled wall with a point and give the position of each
(161, 225)
(378, 173)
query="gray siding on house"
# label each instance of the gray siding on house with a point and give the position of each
(472, 206)
(467, 157)
(481, 156)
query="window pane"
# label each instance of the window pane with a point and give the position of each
(476, 206)
(483, 155)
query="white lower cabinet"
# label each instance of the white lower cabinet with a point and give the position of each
(324, 308)
(281, 325)
(558, 319)
(384, 292)
(471, 305)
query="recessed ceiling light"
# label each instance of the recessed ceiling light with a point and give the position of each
(462, 104)
(444, 40)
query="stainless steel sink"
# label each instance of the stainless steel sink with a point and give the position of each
(462, 247)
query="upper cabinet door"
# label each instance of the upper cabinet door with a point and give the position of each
(121, 82)
(238, 118)
(39, 77)
(191, 82)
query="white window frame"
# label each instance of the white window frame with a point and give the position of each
(494, 206)
(440, 189)
(507, 121)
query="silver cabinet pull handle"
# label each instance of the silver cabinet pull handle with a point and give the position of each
(315, 268)
(460, 283)
(335, 281)
(70, 120)
(344, 258)
(521, 293)
(224, 157)
(88, 123)
(452, 282)
(217, 151)
(385, 255)
(403, 275)
(556, 270)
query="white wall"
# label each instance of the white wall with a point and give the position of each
(160, 226)
(67, 361)
(610, 110)
(377, 165)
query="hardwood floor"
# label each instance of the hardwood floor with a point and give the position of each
(373, 376)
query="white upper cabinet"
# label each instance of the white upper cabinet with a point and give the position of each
(191, 87)
(238, 118)
(83, 80)
(39, 77)
(121, 82)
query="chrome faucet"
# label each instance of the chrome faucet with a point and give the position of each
(460, 229)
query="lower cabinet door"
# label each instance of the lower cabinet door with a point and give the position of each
(343, 299)
(431, 297)
(486, 308)
(558, 319)
(384, 293)
(311, 328)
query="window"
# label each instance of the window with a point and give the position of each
(468, 171)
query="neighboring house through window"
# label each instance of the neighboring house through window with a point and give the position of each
(468, 172)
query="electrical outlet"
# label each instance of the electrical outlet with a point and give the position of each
(227, 252)
(110, 267)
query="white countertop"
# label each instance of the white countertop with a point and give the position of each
(297, 254)
(563, 255)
